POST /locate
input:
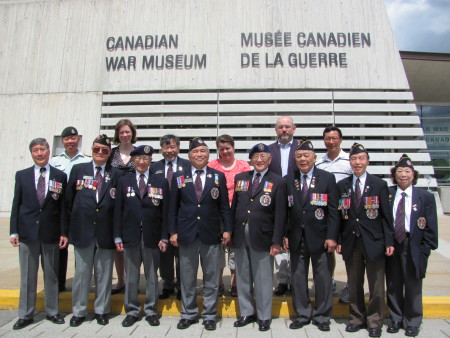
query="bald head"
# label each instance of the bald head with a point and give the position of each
(285, 129)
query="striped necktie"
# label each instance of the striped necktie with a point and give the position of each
(198, 185)
(41, 187)
(169, 173)
(142, 186)
(357, 198)
(305, 188)
(99, 178)
(400, 232)
(255, 184)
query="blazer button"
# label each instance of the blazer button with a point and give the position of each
(251, 200)
(248, 211)
(37, 222)
(357, 220)
(94, 223)
(198, 217)
(243, 223)
(40, 210)
(97, 210)
(198, 205)
(304, 211)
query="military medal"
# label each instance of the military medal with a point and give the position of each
(94, 185)
(290, 201)
(216, 179)
(414, 207)
(268, 187)
(371, 204)
(128, 191)
(297, 184)
(156, 193)
(313, 182)
(372, 213)
(132, 193)
(344, 205)
(265, 200)
(55, 186)
(214, 193)
(319, 199)
(55, 196)
(319, 213)
(79, 184)
(107, 178)
(180, 182)
(112, 193)
(156, 201)
(421, 223)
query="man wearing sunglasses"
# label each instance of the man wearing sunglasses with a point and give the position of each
(90, 205)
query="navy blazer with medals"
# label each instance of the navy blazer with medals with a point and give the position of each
(265, 211)
(31, 221)
(88, 219)
(318, 222)
(421, 241)
(131, 212)
(189, 218)
(275, 164)
(376, 233)
(159, 167)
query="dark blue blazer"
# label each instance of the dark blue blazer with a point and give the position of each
(267, 222)
(131, 213)
(302, 214)
(421, 241)
(28, 218)
(189, 218)
(275, 164)
(377, 233)
(88, 219)
(159, 167)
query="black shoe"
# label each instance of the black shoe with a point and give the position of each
(116, 291)
(129, 321)
(374, 332)
(209, 325)
(153, 320)
(412, 331)
(179, 295)
(264, 325)
(56, 319)
(165, 293)
(185, 323)
(21, 323)
(102, 319)
(298, 324)
(322, 326)
(233, 291)
(76, 321)
(354, 327)
(245, 320)
(281, 289)
(394, 327)
(62, 288)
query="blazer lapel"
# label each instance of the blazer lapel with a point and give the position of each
(415, 204)
(106, 181)
(190, 185)
(260, 186)
(51, 176)
(209, 181)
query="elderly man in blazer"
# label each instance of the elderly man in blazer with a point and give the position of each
(198, 204)
(313, 231)
(259, 216)
(170, 164)
(140, 217)
(90, 205)
(416, 234)
(366, 238)
(38, 227)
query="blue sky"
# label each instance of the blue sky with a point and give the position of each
(420, 25)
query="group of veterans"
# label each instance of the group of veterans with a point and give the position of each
(291, 208)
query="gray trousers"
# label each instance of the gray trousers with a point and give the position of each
(209, 260)
(254, 271)
(102, 261)
(134, 257)
(404, 289)
(29, 264)
(322, 283)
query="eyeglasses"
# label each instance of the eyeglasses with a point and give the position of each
(261, 157)
(142, 158)
(104, 151)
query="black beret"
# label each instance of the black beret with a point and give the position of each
(103, 139)
(69, 131)
(258, 148)
(357, 148)
(142, 150)
(196, 142)
(305, 145)
(404, 161)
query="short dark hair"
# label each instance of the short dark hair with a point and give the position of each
(330, 129)
(225, 138)
(120, 124)
(394, 169)
(166, 139)
(40, 141)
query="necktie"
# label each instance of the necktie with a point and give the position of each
(170, 173)
(198, 185)
(41, 187)
(142, 186)
(255, 184)
(98, 177)
(400, 233)
(357, 198)
(305, 188)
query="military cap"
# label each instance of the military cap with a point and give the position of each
(357, 148)
(103, 139)
(142, 150)
(69, 131)
(305, 145)
(404, 161)
(258, 148)
(196, 142)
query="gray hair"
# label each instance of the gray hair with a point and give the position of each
(166, 139)
(40, 141)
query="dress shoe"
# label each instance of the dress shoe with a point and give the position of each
(185, 323)
(281, 289)
(209, 325)
(221, 290)
(394, 327)
(102, 319)
(298, 323)
(264, 325)
(233, 291)
(76, 321)
(21, 323)
(153, 320)
(245, 320)
(412, 331)
(129, 321)
(373, 332)
(165, 293)
(322, 326)
(56, 319)
(354, 327)
(118, 290)
(179, 295)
